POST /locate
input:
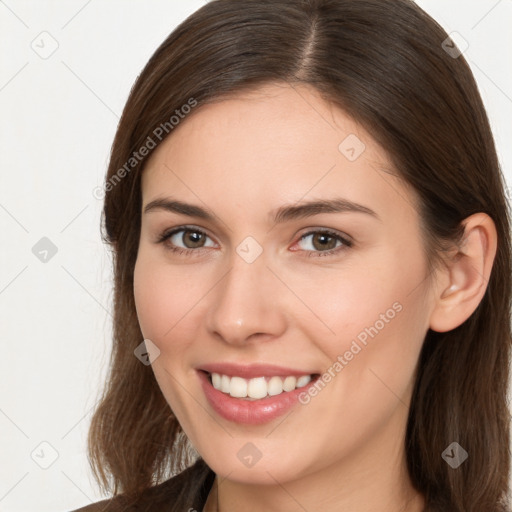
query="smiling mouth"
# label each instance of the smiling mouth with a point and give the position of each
(258, 388)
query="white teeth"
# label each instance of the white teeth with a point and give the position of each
(302, 381)
(216, 380)
(258, 387)
(289, 383)
(238, 387)
(224, 384)
(275, 386)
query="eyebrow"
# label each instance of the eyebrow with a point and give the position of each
(282, 214)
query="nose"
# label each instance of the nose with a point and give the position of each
(246, 303)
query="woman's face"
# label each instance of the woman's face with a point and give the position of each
(326, 291)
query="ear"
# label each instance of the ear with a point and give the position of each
(466, 276)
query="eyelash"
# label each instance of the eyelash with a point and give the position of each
(180, 251)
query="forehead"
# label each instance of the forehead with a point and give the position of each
(271, 145)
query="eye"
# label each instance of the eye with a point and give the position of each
(324, 242)
(192, 237)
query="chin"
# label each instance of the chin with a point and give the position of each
(265, 471)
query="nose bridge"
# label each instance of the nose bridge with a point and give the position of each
(241, 302)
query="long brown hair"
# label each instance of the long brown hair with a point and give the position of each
(386, 64)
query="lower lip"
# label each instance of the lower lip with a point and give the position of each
(250, 412)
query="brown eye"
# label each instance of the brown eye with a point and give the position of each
(195, 238)
(184, 239)
(324, 242)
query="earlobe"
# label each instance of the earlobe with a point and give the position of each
(467, 274)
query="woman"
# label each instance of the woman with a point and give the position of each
(312, 270)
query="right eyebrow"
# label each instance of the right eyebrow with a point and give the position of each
(179, 207)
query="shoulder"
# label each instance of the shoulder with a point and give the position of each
(194, 482)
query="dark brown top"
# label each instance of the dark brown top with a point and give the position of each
(196, 481)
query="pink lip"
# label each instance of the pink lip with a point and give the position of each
(250, 412)
(253, 370)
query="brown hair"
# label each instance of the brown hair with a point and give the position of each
(383, 63)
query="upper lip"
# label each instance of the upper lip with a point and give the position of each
(250, 371)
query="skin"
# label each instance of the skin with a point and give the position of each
(242, 158)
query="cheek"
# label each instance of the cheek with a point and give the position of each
(167, 309)
(158, 298)
(353, 298)
(168, 303)
(375, 301)
(148, 303)
(380, 320)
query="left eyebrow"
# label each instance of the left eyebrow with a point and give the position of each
(310, 208)
(282, 214)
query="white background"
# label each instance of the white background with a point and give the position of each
(58, 119)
